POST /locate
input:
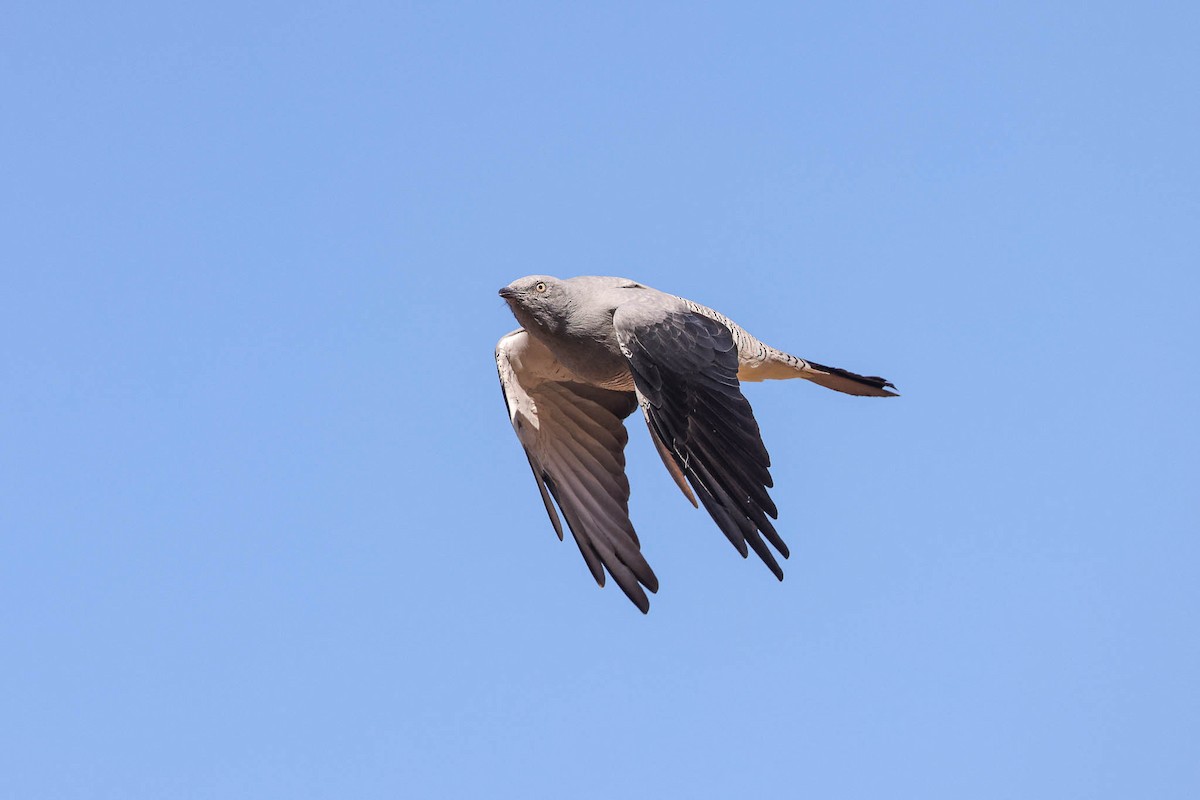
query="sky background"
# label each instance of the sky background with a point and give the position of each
(265, 530)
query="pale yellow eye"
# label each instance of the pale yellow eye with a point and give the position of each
(539, 287)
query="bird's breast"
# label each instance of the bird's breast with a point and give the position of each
(599, 366)
(596, 361)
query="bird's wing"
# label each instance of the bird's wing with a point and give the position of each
(685, 369)
(575, 440)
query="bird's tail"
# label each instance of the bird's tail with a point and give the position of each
(777, 365)
(843, 380)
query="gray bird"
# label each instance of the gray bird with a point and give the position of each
(592, 349)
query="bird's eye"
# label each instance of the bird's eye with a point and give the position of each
(539, 287)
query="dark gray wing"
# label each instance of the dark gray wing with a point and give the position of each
(685, 369)
(575, 439)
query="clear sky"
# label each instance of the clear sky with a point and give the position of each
(265, 530)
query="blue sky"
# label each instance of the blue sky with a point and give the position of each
(265, 530)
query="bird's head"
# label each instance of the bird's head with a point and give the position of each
(539, 300)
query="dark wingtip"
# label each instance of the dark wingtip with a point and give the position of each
(641, 601)
(767, 558)
(630, 585)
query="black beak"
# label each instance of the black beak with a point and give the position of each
(508, 292)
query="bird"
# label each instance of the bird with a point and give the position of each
(593, 349)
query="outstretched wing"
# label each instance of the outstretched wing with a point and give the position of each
(685, 369)
(574, 437)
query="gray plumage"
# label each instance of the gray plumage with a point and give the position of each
(590, 350)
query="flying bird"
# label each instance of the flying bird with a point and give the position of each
(591, 350)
